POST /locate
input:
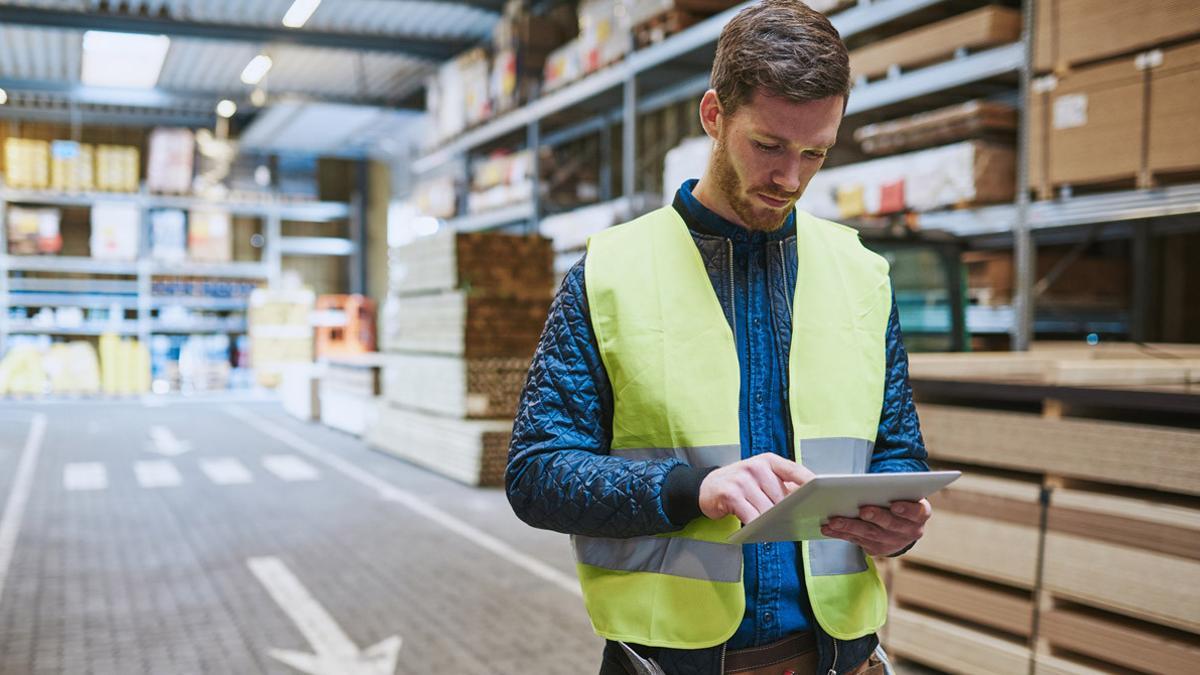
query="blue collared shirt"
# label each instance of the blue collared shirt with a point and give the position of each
(776, 600)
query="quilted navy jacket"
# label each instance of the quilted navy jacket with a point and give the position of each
(561, 477)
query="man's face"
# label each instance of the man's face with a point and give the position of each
(767, 151)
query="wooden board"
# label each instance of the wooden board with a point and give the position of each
(487, 263)
(1046, 664)
(474, 452)
(1125, 644)
(953, 648)
(456, 387)
(1064, 368)
(984, 27)
(938, 127)
(1131, 556)
(984, 604)
(983, 547)
(458, 324)
(1139, 455)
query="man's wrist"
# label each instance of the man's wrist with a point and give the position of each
(681, 493)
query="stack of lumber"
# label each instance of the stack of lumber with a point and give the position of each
(964, 121)
(464, 316)
(985, 27)
(348, 389)
(1070, 545)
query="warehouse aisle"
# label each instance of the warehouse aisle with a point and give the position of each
(230, 538)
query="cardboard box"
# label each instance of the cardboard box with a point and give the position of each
(1088, 30)
(984, 27)
(118, 168)
(115, 229)
(27, 163)
(210, 236)
(72, 166)
(1087, 126)
(172, 154)
(1175, 111)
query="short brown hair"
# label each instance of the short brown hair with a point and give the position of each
(783, 47)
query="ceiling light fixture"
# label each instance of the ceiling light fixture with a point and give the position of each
(226, 108)
(297, 15)
(3, 97)
(254, 71)
(123, 59)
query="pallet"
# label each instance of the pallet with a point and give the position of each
(455, 387)
(985, 27)
(474, 452)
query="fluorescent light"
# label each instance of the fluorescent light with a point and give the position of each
(256, 69)
(226, 108)
(3, 97)
(297, 15)
(258, 97)
(123, 59)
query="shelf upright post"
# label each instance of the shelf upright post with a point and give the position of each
(1023, 244)
(145, 289)
(1142, 294)
(358, 229)
(533, 141)
(4, 304)
(606, 167)
(629, 138)
(272, 255)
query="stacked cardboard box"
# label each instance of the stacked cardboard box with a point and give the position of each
(467, 311)
(118, 168)
(27, 163)
(281, 333)
(522, 42)
(115, 230)
(72, 166)
(1069, 546)
(348, 389)
(1069, 33)
(169, 165)
(985, 27)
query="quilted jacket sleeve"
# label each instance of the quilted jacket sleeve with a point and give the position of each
(898, 444)
(560, 476)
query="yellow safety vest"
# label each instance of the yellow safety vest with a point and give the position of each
(673, 364)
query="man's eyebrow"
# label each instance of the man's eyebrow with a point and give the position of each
(783, 141)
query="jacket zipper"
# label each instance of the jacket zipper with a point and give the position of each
(786, 280)
(833, 666)
(732, 298)
(723, 648)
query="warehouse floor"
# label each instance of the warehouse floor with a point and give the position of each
(207, 537)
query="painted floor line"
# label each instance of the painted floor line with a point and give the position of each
(411, 501)
(290, 468)
(18, 497)
(157, 473)
(226, 471)
(85, 476)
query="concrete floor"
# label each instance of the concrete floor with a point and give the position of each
(230, 538)
(227, 537)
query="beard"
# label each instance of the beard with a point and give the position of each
(754, 215)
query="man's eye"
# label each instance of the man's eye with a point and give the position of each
(813, 154)
(766, 148)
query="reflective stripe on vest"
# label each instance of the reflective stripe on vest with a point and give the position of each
(673, 364)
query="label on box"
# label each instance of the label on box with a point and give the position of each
(1070, 111)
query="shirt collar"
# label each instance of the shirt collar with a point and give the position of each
(706, 221)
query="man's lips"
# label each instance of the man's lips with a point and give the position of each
(773, 202)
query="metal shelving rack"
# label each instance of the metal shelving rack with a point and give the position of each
(138, 294)
(653, 78)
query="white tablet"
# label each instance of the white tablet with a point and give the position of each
(801, 514)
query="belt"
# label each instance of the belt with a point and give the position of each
(796, 653)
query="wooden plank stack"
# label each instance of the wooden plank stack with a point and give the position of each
(1071, 544)
(349, 387)
(463, 318)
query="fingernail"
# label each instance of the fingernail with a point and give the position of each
(899, 509)
(869, 515)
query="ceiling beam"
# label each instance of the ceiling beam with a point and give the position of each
(419, 47)
(493, 6)
(170, 99)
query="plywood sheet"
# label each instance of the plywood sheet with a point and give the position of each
(1121, 643)
(976, 602)
(983, 547)
(456, 387)
(953, 648)
(471, 451)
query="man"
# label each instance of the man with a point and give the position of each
(702, 362)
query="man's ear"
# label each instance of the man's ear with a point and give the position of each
(711, 115)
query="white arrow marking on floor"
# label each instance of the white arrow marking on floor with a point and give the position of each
(156, 474)
(85, 476)
(290, 468)
(226, 471)
(391, 493)
(165, 443)
(336, 653)
(14, 509)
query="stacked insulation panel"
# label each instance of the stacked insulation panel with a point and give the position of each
(462, 320)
